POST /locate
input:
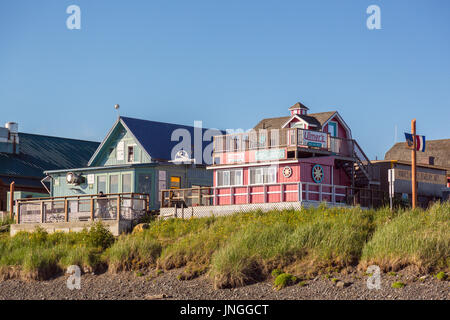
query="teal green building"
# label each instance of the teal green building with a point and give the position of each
(140, 156)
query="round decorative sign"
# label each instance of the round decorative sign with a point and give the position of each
(317, 173)
(287, 172)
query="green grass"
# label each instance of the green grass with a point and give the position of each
(246, 247)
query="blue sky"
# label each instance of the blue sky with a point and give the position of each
(227, 63)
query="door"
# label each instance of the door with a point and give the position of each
(333, 131)
(145, 183)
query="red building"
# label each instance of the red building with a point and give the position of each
(302, 158)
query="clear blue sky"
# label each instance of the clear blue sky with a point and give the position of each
(228, 63)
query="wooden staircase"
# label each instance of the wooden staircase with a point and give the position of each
(361, 169)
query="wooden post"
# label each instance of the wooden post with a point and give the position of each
(18, 213)
(118, 208)
(11, 200)
(42, 212)
(66, 210)
(92, 209)
(148, 202)
(413, 164)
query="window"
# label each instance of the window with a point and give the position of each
(101, 184)
(229, 178)
(262, 175)
(175, 182)
(130, 154)
(114, 183)
(431, 161)
(126, 182)
(112, 154)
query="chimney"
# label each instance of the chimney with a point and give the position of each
(9, 138)
(299, 109)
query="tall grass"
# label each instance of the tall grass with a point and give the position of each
(39, 255)
(419, 237)
(245, 247)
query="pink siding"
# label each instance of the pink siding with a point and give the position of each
(301, 172)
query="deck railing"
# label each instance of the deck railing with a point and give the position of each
(117, 206)
(303, 191)
(283, 138)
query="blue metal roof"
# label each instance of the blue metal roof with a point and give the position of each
(38, 153)
(155, 137)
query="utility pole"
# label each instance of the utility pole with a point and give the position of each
(11, 200)
(413, 164)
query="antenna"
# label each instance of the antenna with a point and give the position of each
(117, 108)
(395, 134)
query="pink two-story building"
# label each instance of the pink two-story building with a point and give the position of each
(300, 159)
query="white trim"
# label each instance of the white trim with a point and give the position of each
(300, 119)
(241, 170)
(100, 147)
(259, 164)
(263, 183)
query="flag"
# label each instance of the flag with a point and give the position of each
(420, 141)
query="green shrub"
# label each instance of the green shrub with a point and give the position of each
(276, 272)
(398, 285)
(441, 276)
(99, 236)
(303, 283)
(284, 280)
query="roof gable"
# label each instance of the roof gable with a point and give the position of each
(155, 138)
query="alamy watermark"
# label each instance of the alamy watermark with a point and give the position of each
(374, 20)
(74, 281)
(74, 20)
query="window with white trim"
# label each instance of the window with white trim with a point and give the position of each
(228, 178)
(263, 175)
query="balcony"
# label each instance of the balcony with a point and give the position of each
(279, 144)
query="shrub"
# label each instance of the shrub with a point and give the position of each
(99, 236)
(284, 280)
(398, 285)
(441, 276)
(276, 272)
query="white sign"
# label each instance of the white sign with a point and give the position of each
(238, 157)
(391, 180)
(121, 151)
(162, 175)
(90, 179)
(315, 139)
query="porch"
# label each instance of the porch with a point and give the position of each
(197, 202)
(72, 213)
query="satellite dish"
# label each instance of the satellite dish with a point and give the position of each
(73, 178)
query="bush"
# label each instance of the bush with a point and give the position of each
(284, 280)
(398, 285)
(99, 236)
(276, 272)
(441, 276)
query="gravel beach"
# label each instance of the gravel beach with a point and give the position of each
(129, 285)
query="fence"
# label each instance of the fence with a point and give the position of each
(272, 193)
(123, 206)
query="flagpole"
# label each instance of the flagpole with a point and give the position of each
(413, 164)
